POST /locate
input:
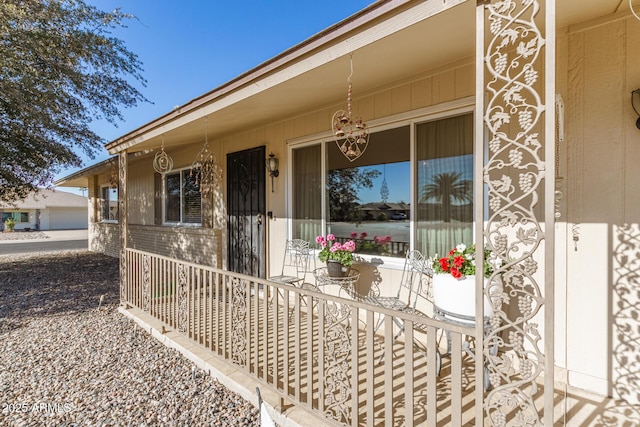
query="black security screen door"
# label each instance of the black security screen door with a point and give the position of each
(246, 192)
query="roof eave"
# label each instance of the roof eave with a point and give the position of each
(81, 177)
(319, 40)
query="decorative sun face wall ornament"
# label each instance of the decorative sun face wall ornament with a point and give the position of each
(162, 162)
(351, 134)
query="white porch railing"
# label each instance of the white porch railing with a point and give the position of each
(314, 349)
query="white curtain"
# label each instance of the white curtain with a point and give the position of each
(444, 214)
(307, 190)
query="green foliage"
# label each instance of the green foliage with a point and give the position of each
(60, 69)
(336, 251)
(9, 224)
(376, 246)
(461, 262)
(343, 186)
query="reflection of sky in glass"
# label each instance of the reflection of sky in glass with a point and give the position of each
(398, 177)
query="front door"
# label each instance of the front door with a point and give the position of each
(246, 193)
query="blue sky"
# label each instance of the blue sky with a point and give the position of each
(191, 47)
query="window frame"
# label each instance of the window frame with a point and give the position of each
(16, 215)
(412, 119)
(181, 222)
(105, 202)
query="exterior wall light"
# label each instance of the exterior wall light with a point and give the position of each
(272, 167)
(633, 95)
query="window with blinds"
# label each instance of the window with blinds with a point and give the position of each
(109, 204)
(182, 199)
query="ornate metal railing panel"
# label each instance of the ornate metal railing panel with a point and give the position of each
(512, 89)
(337, 350)
(626, 341)
(314, 349)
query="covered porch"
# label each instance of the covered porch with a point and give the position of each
(315, 355)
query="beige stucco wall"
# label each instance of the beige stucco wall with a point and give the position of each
(428, 89)
(140, 191)
(141, 186)
(103, 237)
(597, 70)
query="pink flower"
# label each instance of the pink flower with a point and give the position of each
(336, 247)
(363, 234)
(321, 241)
(354, 234)
(331, 237)
(349, 246)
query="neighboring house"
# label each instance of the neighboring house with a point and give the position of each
(545, 147)
(101, 180)
(48, 210)
(385, 211)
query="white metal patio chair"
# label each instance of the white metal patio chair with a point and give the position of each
(295, 264)
(414, 290)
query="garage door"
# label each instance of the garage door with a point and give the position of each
(67, 219)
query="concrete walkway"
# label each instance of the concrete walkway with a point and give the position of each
(43, 241)
(49, 235)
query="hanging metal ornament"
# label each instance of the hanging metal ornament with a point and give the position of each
(205, 167)
(352, 134)
(162, 162)
(113, 179)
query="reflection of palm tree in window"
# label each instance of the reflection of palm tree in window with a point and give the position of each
(447, 188)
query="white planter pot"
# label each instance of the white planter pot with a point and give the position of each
(458, 296)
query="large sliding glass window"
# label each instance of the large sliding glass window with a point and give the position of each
(444, 214)
(370, 200)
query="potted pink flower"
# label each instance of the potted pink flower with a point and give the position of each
(338, 256)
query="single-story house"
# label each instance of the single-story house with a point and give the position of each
(525, 108)
(383, 211)
(102, 213)
(48, 210)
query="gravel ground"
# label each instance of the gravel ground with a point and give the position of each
(66, 362)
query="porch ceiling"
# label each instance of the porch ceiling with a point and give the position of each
(388, 43)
